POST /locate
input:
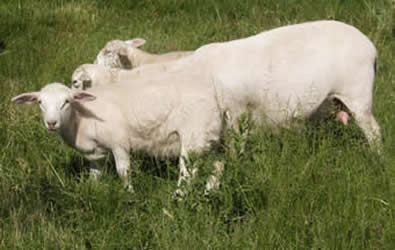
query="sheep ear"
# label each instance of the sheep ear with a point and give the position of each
(123, 51)
(136, 42)
(26, 98)
(82, 96)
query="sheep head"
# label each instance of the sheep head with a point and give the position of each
(115, 53)
(56, 102)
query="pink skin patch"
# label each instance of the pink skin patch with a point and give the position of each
(343, 116)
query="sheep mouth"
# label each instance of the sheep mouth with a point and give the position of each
(52, 130)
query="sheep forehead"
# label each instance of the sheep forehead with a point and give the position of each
(54, 87)
(83, 67)
(54, 93)
(79, 78)
(77, 73)
(80, 74)
(110, 59)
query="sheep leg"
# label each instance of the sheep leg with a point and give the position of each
(370, 128)
(185, 175)
(233, 124)
(122, 163)
(213, 180)
(362, 114)
(94, 171)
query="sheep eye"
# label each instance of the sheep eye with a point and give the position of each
(65, 103)
(40, 104)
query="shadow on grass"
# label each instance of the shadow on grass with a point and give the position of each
(2, 45)
(78, 167)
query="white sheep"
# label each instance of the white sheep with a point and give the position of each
(143, 116)
(291, 73)
(113, 62)
(93, 75)
(127, 55)
(294, 72)
(286, 74)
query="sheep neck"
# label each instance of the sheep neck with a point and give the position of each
(69, 130)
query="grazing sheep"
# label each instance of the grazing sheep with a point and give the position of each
(289, 73)
(93, 75)
(168, 109)
(113, 61)
(127, 55)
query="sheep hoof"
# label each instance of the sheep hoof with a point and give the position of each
(129, 188)
(94, 174)
(178, 195)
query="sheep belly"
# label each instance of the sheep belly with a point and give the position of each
(159, 144)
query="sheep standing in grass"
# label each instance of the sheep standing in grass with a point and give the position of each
(287, 74)
(127, 55)
(93, 75)
(290, 73)
(142, 116)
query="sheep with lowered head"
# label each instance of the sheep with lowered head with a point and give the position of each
(93, 75)
(114, 60)
(290, 73)
(127, 55)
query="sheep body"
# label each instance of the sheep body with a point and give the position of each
(288, 74)
(115, 119)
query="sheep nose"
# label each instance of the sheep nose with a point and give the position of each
(51, 124)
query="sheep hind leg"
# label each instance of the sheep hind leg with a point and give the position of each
(371, 129)
(363, 116)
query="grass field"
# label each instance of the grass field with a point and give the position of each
(311, 188)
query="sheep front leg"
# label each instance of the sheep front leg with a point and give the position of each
(240, 129)
(94, 171)
(122, 163)
(185, 175)
(213, 181)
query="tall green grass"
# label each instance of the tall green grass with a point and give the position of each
(313, 187)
